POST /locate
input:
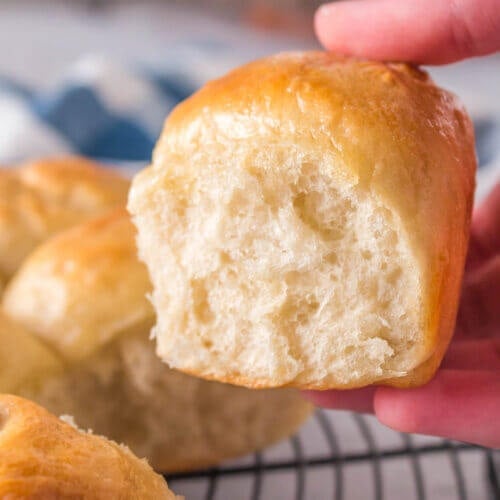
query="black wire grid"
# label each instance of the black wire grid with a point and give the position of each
(248, 478)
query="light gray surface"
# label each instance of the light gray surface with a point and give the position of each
(43, 39)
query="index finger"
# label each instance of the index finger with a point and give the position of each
(456, 404)
(485, 235)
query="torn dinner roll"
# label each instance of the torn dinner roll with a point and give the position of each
(305, 222)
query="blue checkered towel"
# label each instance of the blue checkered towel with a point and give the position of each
(106, 111)
(99, 109)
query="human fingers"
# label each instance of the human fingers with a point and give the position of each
(485, 233)
(481, 354)
(360, 400)
(456, 404)
(479, 313)
(423, 31)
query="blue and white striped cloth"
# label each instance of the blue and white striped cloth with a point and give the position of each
(107, 111)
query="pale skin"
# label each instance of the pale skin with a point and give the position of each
(463, 400)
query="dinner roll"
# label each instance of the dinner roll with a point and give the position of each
(39, 199)
(42, 457)
(305, 222)
(83, 293)
(83, 287)
(176, 421)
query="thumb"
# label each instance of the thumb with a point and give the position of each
(423, 31)
(479, 314)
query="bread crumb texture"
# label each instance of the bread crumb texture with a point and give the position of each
(297, 223)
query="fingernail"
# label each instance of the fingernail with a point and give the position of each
(326, 10)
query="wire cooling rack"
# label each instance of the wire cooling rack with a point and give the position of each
(344, 456)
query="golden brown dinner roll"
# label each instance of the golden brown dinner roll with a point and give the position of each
(305, 223)
(39, 199)
(83, 293)
(83, 287)
(42, 457)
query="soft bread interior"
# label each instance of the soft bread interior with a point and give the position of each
(270, 269)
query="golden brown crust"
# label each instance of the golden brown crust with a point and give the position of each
(40, 198)
(75, 182)
(24, 359)
(83, 287)
(42, 457)
(387, 128)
